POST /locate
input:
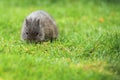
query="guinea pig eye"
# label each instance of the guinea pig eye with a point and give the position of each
(26, 32)
(37, 33)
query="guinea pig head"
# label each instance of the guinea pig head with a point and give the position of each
(32, 30)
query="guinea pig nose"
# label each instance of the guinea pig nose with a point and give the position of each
(33, 39)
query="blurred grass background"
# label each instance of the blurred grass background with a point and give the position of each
(88, 47)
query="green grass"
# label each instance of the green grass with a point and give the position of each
(88, 47)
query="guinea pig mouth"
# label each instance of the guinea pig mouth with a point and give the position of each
(33, 41)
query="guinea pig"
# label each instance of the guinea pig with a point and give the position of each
(39, 26)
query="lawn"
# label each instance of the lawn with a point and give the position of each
(88, 47)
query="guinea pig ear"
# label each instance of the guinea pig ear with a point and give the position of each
(26, 22)
(38, 21)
